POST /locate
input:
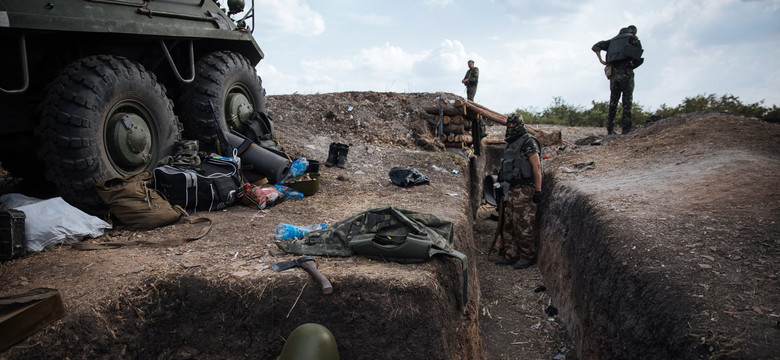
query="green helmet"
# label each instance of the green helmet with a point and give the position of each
(310, 342)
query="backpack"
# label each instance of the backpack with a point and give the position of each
(406, 177)
(210, 186)
(134, 204)
(259, 128)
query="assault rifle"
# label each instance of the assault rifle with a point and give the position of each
(500, 227)
(224, 145)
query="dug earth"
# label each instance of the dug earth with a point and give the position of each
(658, 244)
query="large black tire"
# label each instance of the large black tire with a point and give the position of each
(227, 80)
(103, 117)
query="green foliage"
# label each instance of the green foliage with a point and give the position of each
(725, 103)
(561, 113)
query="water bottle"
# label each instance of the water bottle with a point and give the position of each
(298, 167)
(288, 231)
(289, 193)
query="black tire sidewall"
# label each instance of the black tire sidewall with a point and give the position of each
(216, 74)
(74, 117)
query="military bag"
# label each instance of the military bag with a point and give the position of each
(210, 186)
(386, 233)
(135, 204)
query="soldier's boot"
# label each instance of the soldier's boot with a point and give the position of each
(626, 130)
(610, 130)
(333, 154)
(342, 155)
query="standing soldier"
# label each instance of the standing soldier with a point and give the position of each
(624, 54)
(521, 171)
(470, 80)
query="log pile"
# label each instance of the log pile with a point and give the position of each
(458, 118)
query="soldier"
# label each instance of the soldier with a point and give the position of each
(470, 80)
(624, 54)
(521, 173)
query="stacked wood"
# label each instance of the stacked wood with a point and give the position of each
(447, 109)
(458, 118)
(455, 129)
(482, 111)
(546, 138)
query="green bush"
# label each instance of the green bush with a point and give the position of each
(561, 113)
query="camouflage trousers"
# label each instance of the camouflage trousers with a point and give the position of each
(470, 92)
(520, 224)
(621, 82)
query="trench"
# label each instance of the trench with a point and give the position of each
(610, 310)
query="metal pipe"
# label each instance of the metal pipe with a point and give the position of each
(25, 70)
(173, 66)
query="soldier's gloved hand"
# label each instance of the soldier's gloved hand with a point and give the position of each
(537, 197)
(496, 185)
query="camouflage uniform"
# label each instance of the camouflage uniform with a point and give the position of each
(520, 232)
(621, 81)
(472, 78)
(520, 224)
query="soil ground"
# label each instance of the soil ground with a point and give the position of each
(693, 200)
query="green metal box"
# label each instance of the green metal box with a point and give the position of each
(11, 233)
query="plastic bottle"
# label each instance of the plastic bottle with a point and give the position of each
(299, 167)
(289, 193)
(287, 231)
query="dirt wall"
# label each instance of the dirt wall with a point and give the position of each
(611, 312)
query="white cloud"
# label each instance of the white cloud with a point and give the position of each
(439, 3)
(692, 47)
(280, 16)
(388, 59)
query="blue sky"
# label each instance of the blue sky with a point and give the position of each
(528, 52)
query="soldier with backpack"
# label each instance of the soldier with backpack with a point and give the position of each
(521, 173)
(624, 54)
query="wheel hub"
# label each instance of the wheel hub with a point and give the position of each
(238, 109)
(130, 145)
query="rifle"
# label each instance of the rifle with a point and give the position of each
(224, 145)
(499, 228)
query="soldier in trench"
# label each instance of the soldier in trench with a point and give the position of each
(521, 173)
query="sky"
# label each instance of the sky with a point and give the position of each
(528, 52)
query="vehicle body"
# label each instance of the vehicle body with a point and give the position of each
(96, 89)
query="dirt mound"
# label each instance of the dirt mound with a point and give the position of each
(679, 253)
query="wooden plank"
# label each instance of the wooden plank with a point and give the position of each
(24, 314)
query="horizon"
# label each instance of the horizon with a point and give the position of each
(528, 53)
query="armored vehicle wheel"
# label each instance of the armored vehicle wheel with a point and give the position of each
(103, 117)
(229, 81)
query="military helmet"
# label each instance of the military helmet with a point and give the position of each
(310, 342)
(516, 119)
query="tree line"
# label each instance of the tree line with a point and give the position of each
(561, 113)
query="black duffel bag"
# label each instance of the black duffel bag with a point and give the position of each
(210, 186)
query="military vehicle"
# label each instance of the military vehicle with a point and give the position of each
(96, 89)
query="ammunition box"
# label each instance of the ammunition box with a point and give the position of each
(307, 187)
(11, 233)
